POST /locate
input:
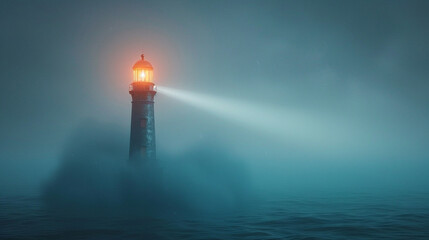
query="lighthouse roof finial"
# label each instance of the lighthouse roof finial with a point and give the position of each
(142, 64)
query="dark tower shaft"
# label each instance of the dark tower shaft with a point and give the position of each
(142, 139)
(142, 90)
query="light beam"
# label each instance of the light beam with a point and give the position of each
(286, 125)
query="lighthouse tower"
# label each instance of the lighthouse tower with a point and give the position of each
(142, 90)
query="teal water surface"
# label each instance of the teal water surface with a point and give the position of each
(352, 217)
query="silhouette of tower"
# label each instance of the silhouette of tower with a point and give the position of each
(142, 90)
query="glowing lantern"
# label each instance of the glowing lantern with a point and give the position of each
(143, 71)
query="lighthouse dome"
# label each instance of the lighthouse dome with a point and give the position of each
(142, 71)
(142, 64)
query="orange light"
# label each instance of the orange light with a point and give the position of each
(143, 75)
(143, 71)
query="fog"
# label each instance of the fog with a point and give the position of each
(255, 99)
(95, 176)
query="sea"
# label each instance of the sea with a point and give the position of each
(355, 216)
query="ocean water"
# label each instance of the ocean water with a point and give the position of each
(342, 217)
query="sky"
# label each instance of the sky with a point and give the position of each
(355, 69)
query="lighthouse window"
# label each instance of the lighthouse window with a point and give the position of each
(143, 122)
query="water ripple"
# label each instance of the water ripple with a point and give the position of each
(355, 218)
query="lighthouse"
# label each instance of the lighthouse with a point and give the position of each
(142, 91)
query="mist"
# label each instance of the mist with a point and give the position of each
(287, 97)
(96, 177)
(274, 119)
